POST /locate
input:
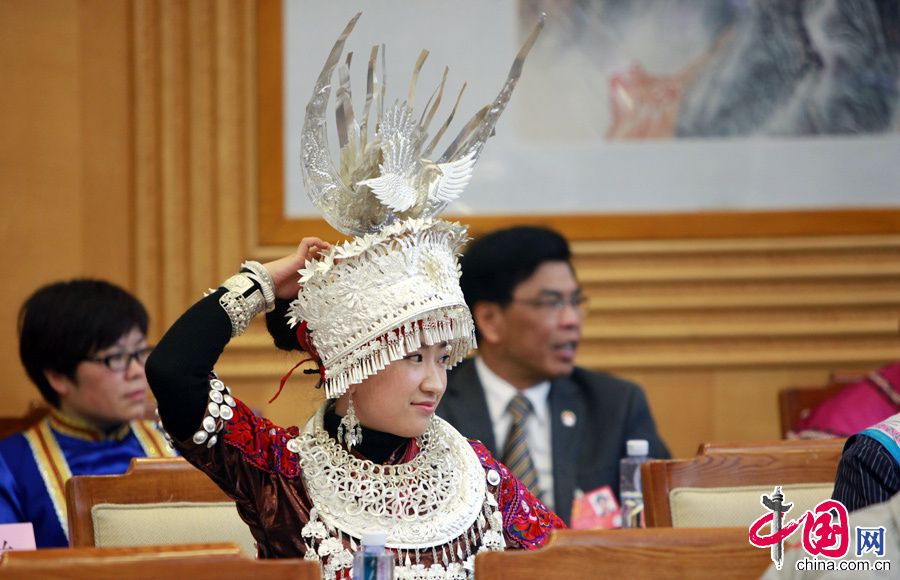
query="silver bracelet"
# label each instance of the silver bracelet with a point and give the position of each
(259, 273)
(242, 302)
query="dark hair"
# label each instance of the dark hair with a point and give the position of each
(289, 339)
(284, 336)
(496, 263)
(64, 323)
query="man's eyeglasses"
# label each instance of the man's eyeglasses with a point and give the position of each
(120, 361)
(556, 303)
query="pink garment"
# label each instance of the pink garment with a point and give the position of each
(854, 408)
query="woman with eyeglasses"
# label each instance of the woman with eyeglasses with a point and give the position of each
(83, 343)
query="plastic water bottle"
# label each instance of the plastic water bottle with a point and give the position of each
(372, 561)
(630, 483)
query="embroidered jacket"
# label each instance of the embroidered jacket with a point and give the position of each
(251, 462)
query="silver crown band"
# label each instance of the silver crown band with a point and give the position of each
(373, 300)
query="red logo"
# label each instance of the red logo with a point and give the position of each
(826, 529)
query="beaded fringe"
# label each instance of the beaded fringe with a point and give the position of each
(441, 326)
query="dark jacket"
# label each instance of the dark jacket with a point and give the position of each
(608, 411)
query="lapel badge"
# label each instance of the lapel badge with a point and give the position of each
(568, 418)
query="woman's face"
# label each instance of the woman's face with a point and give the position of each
(401, 398)
(102, 396)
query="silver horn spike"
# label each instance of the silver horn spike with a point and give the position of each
(391, 177)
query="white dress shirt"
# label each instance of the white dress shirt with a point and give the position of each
(499, 393)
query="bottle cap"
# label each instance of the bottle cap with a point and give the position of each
(637, 447)
(373, 538)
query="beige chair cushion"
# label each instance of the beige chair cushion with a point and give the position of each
(712, 507)
(154, 524)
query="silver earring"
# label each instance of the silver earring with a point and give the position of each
(349, 431)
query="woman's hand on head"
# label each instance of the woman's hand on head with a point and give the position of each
(285, 271)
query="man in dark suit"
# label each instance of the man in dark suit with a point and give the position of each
(528, 309)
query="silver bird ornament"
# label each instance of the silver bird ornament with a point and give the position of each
(394, 176)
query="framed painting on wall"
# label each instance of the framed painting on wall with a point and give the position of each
(638, 119)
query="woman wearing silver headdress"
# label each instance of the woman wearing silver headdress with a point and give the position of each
(383, 317)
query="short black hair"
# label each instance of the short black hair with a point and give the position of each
(64, 323)
(493, 265)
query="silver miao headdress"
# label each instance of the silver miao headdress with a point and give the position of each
(395, 286)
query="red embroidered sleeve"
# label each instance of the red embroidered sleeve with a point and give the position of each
(261, 442)
(526, 521)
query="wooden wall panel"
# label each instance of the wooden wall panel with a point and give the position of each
(139, 164)
(194, 101)
(105, 136)
(714, 328)
(195, 124)
(65, 163)
(719, 303)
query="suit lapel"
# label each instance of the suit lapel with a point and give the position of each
(465, 407)
(564, 401)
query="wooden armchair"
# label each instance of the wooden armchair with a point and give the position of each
(722, 486)
(828, 447)
(158, 501)
(13, 424)
(795, 402)
(196, 562)
(635, 554)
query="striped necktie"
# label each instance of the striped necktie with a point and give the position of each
(515, 453)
